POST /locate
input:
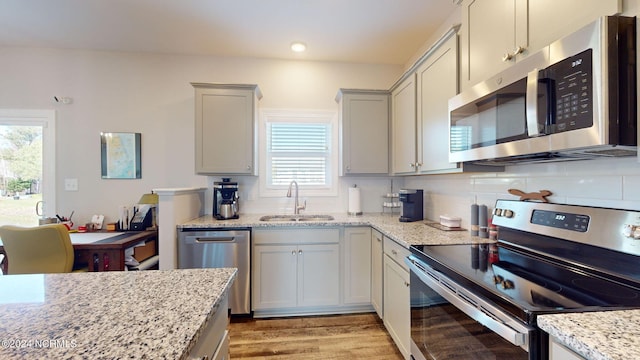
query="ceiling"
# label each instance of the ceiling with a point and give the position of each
(364, 31)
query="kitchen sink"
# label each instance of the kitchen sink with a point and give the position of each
(302, 218)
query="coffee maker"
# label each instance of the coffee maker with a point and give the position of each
(411, 205)
(225, 199)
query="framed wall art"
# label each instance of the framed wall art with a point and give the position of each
(120, 154)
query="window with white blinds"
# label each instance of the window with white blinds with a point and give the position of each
(460, 138)
(299, 151)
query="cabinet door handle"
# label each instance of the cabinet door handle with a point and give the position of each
(394, 252)
(516, 51)
(412, 165)
(248, 167)
(293, 252)
(406, 284)
(348, 168)
(519, 50)
(299, 252)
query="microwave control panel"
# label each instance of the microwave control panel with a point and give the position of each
(571, 87)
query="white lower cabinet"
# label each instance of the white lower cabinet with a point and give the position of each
(213, 342)
(304, 271)
(295, 271)
(397, 312)
(558, 351)
(376, 272)
(275, 276)
(318, 275)
(357, 265)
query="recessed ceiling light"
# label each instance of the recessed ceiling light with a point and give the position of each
(298, 46)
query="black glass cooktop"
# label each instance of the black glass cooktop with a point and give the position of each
(526, 285)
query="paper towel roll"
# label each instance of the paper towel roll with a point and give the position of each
(354, 201)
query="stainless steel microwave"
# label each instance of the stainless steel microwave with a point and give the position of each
(575, 99)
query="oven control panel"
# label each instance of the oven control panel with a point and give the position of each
(613, 229)
(561, 220)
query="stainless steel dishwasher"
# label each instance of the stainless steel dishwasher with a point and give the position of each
(214, 248)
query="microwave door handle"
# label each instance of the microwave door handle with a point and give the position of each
(532, 104)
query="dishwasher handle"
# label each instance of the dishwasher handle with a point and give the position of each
(214, 237)
(210, 239)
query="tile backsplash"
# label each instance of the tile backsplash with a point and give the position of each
(611, 183)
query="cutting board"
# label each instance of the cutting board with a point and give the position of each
(439, 226)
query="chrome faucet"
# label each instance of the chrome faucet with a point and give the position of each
(296, 205)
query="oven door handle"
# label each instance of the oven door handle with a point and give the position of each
(476, 308)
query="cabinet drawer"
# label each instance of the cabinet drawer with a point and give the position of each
(396, 252)
(296, 236)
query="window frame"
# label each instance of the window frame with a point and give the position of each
(46, 118)
(299, 116)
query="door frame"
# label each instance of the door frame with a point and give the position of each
(46, 119)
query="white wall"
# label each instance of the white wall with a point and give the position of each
(151, 94)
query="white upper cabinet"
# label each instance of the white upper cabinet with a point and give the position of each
(225, 136)
(437, 81)
(420, 113)
(403, 127)
(489, 33)
(498, 33)
(364, 131)
(550, 20)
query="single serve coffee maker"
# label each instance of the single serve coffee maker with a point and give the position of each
(411, 205)
(225, 199)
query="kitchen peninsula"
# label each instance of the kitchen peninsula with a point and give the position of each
(114, 315)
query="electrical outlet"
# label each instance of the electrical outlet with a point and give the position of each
(71, 184)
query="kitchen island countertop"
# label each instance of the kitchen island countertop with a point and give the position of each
(602, 335)
(404, 233)
(108, 315)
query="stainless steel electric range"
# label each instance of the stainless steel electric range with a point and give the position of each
(481, 301)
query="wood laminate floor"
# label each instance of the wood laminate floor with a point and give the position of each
(357, 336)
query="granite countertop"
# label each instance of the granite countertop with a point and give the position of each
(603, 335)
(108, 315)
(608, 335)
(405, 234)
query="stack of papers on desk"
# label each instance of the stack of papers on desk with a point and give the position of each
(88, 238)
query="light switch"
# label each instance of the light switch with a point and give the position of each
(71, 184)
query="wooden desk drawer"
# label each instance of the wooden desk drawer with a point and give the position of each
(142, 253)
